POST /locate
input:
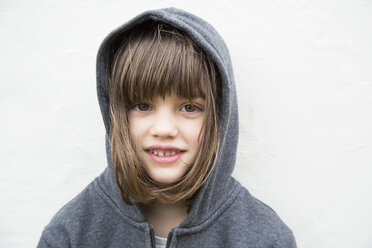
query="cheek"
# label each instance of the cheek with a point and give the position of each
(192, 131)
(135, 129)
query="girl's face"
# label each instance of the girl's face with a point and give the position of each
(166, 132)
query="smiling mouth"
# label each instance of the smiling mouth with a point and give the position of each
(163, 153)
(165, 156)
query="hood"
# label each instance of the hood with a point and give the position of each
(220, 185)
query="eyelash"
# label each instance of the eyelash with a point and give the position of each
(197, 108)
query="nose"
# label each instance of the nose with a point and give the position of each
(164, 124)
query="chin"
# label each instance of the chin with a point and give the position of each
(165, 178)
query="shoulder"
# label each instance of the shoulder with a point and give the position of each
(76, 220)
(254, 220)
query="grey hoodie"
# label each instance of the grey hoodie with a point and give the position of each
(223, 214)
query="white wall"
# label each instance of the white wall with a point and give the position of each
(304, 78)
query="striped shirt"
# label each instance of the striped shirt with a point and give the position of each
(160, 242)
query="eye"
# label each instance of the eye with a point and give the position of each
(142, 107)
(190, 107)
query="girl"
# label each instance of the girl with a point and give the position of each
(167, 96)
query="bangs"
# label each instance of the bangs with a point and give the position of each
(159, 62)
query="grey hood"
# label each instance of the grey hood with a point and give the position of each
(219, 188)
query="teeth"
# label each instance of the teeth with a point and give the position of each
(162, 153)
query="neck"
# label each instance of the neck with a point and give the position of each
(164, 217)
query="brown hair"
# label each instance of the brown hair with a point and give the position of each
(156, 59)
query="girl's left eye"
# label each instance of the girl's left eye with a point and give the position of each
(190, 108)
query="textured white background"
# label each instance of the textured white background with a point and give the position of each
(304, 80)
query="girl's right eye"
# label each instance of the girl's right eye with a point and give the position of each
(142, 107)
